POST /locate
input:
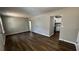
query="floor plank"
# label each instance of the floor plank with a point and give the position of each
(29, 41)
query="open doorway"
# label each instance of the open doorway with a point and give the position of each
(55, 25)
(58, 21)
(30, 27)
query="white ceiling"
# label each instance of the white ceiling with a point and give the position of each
(31, 11)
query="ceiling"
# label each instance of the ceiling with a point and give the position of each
(23, 11)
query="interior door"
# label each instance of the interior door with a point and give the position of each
(77, 43)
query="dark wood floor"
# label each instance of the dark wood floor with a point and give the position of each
(34, 42)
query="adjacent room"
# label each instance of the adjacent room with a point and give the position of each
(39, 29)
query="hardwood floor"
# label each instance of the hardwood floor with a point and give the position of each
(28, 41)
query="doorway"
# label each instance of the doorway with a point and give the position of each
(30, 25)
(55, 25)
(58, 20)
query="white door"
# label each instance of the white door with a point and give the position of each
(77, 43)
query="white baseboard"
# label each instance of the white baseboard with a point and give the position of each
(41, 34)
(51, 34)
(15, 33)
(68, 41)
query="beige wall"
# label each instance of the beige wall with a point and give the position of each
(70, 22)
(13, 25)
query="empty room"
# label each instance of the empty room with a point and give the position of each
(39, 29)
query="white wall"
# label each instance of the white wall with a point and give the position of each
(70, 29)
(13, 25)
(70, 18)
(40, 24)
(52, 24)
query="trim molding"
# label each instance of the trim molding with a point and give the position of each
(41, 34)
(51, 34)
(16, 33)
(68, 41)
